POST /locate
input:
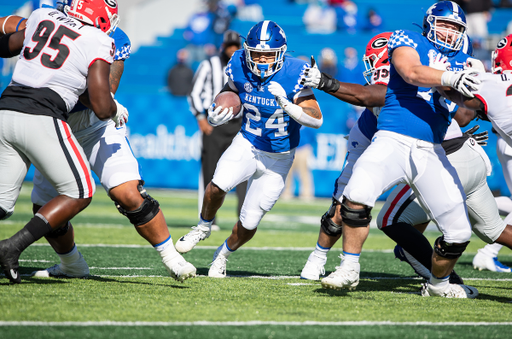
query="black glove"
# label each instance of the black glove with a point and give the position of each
(480, 138)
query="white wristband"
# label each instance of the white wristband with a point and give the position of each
(446, 78)
(3, 26)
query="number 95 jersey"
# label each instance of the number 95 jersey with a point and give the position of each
(265, 124)
(57, 53)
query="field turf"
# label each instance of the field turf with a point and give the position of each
(129, 294)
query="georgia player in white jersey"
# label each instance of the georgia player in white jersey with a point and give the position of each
(60, 57)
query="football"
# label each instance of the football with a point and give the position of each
(229, 99)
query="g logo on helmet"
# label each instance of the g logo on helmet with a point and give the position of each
(111, 3)
(379, 43)
(502, 43)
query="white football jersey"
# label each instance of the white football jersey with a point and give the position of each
(380, 77)
(496, 94)
(57, 53)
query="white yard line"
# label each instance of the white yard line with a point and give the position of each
(240, 249)
(277, 277)
(246, 323)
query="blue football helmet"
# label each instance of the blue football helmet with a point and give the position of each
(445, 11)
(63, 5)
(265, 36)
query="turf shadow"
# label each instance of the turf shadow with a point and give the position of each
(109, 280)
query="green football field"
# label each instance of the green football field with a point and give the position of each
(129, 294)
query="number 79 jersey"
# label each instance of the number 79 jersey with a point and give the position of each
(57, 53)
(265, 124)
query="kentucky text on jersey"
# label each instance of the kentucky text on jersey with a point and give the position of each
(259, 100)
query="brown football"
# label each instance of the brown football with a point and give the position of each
(229, 99)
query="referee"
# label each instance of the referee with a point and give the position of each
(208, 81)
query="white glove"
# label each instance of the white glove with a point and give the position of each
(312, 76)
(121, 117)
(218, 115)
(439, 62)
(463, 81)
(475, 64)
(315, 79)
(279, 93)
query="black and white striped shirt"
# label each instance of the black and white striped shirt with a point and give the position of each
(208, 81)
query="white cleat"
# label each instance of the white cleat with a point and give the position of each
(345, 276)
(180, 269)
(313, 268)
(192, 238)
(485, 262)
(77, 269)
(218, 266)
(451, 291)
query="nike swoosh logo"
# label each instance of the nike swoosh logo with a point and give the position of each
(470, 291)
(14, 274)
(182, 239)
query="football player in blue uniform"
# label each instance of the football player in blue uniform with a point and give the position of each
(109, 154)
(275, 106)
(407, 149)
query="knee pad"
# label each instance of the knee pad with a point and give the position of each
(447, 250)
(4, 214)
(59, 231)
(355, 217)
(328, 226)
(145, 212)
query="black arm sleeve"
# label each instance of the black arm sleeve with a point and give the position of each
(5, 52)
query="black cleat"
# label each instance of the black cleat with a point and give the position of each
(9, 256)
(455, 279)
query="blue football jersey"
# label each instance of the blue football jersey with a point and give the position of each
(123, 49)
(367, 123)
(265, 124)
(419, 112)
(123, 44)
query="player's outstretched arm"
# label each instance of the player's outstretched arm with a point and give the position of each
(305, 110)
(407, 63)
(355, 94)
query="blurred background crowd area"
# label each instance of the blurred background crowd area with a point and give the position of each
(166, 32)
(179, 34)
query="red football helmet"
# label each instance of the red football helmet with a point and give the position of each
(376, 54)
(101, 14)
(502, 56)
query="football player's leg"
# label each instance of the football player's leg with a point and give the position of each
(264, 188)
(114, 163)
(13, 166)
(445, 205)
(237, 164)
(375, 171)
(331, 222)
(57, 155)
(396, 219)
